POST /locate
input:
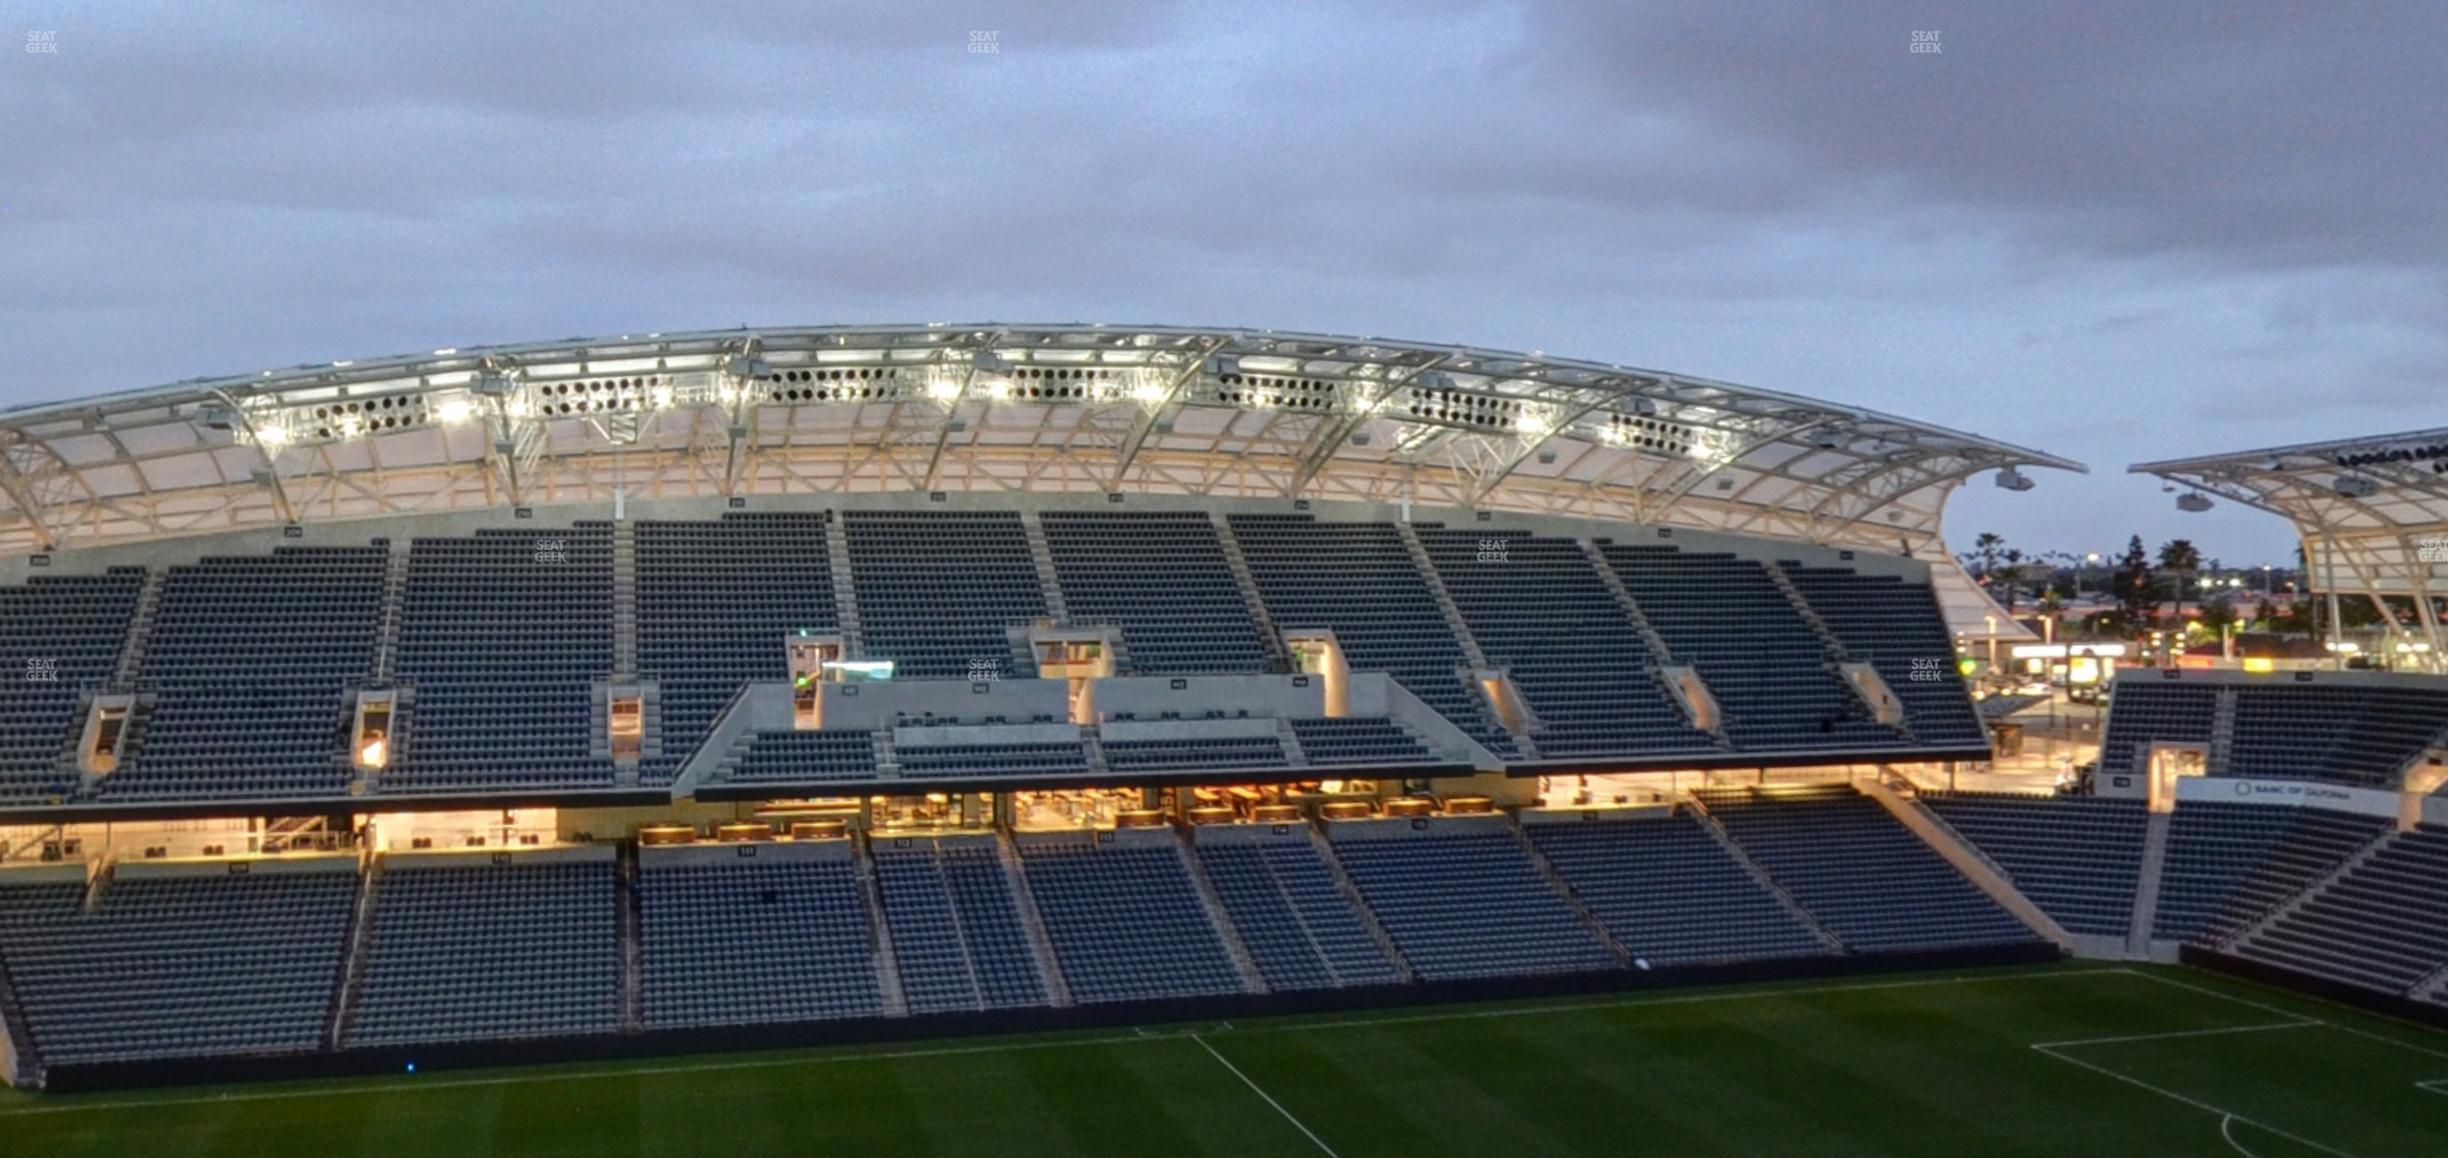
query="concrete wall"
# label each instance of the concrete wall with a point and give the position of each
(1238, 833)
(837, 849)
(140, 870)
(1529, 816)
(1160, 837)
(482, 857)
(1410, 827)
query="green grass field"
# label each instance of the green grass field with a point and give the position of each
(2072, 1060)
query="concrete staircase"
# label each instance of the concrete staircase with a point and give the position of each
(2433, 988)
(1359, 905)
(1251, 601)
(140, 630)
(845, 591)
(630, 910)
(1742, 856)
(1048, 580)
(1571, 899)
(1252, 981)
(360, 949)
(624, 599)
(1802, 606)
(1681, 681)
(1294, 755)
(395, 600)
(1049, 964)
(889, 990)
(1444, 598)
(1985, 874)
(2222, 734)
(2286, 908)
(2146, 887)
(20, 1066)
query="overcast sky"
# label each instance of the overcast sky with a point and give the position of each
(2128, 234)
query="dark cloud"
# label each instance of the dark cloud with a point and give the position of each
(2115, 236)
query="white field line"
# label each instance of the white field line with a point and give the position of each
(2362, 1033)
(2299, 1023)
(2205, 1107)
(2227, 1131)
(1255, 1088)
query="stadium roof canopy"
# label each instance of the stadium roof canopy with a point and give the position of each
(2372, 512)
(1085, 408)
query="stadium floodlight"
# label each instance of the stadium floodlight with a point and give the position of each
(2355, 486)
(451, 411)
(2194, 502)
(217, 415)
(2008, 478)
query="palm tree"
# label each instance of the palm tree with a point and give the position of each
(2179, 558)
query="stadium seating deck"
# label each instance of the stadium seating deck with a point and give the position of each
(1126, 920)
(1358, 580)
(251, 661)
(938, 590)
(2343, 732)
(1161, 576)
(1539, 610)
(2144, 711)
(2383, 924)
(1467, 902)
(1670, 894)
(59, 636)
(1896, 628)
(1292, 916)
(743, 941)
(484, 952)
(2227, 864)
(1858, 871)
(1767, 669)
(503, 637)
(806, 756)
(177, 967)
(715, 600)
(956, 937)
(2078, 858)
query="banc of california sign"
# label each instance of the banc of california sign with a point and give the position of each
(2288, 793)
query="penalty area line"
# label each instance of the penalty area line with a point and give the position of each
(2227, 1117)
